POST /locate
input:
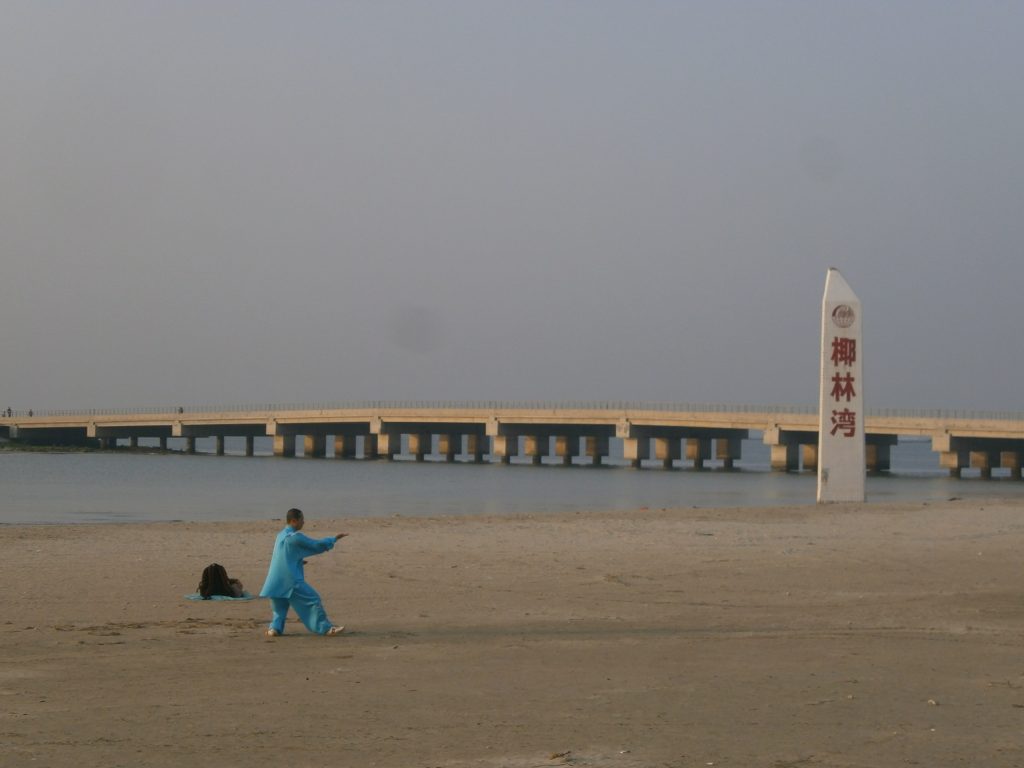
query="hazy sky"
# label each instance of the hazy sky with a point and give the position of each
(235, 202)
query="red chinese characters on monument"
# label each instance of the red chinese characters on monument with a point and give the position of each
(844, 351)
(844, 354)
(845, 420)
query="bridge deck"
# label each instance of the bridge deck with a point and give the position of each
(963, 439)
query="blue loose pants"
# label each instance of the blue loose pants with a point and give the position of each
(307, 604)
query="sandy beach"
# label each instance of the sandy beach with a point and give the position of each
(861, 635)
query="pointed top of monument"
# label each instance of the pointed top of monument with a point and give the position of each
(836, 287)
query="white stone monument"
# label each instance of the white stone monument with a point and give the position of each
(841, 468)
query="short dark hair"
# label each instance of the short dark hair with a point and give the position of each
(293, 514)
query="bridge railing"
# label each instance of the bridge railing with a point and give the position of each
(505, 405)
(946, 414)
(489, 405)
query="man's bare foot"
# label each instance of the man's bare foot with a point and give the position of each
(271, 633)
(335, 631)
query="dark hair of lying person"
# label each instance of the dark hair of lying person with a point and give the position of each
(215, 582)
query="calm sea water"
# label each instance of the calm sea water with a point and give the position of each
(134, 487)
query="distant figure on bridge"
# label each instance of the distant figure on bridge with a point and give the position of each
(10, 412)
(286, 583)
(180, 409)
(29, 411)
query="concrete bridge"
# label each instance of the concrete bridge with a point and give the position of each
(504, 430)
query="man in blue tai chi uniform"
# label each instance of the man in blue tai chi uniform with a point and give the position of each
(286, 584)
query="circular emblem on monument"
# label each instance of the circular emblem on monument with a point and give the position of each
(843, 315)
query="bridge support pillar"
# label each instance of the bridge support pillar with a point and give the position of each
(878, 458)
(419, 445)
(190, 445)
(983, 461)
(284, 445)
(314, 446)
(727, 450)
(809, 457)
(954, 461)
(667, 450)
(878, 452)
(476, 446)
(785, 447)
(389, 445)
(579, 448)
(448, 446)
(371, 447)
(250, 445)
(596, 447)
(786, 458)
(108, 443)
(163, 443)
(344, 446)
(698, 450)
(218, 445)
(954, 453)
(536, 447)
(635, 450)
(1011, 460)
(567, 446)
(505, 447)
(133, 441)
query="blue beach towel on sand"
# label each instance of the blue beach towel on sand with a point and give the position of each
(197, 596)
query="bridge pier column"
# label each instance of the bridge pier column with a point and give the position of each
(579, 448)
(536, 447)
(596, 447)
(190, 445)
(476, 446)
(877, 457)
(983, 461)
(389, 445)
(344, 446)
(667, 450)
(785, 458)
(108, 443)
(448, 446)
(505, 447)
(878, 452)
(250, 445)
(284, 445)
(163, 443)
(635, 450)
(953, 453)
(349, 446)
(727, 450)
(419, 445)
(809, 457)
(218, 445)
(1011, 460)
(314, 446)
(954, 461)
(133, 442)
(698, 450)
(567, 446)
(371, 448)
(785, 447)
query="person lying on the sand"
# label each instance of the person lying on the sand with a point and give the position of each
(215, 581)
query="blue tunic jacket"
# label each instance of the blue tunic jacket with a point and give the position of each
(286, 563)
